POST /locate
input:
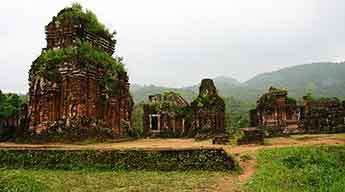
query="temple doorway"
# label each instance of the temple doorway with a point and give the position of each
(154, 122)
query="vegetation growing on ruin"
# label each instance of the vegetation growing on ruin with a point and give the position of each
(86, 17)
(300, 169)
(269, 99)
(169, 105)
(46, 65)
(277, 90)
(210, 102)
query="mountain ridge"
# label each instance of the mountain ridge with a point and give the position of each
(322, 79)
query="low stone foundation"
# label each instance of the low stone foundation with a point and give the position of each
(251, 136)
(213, 159)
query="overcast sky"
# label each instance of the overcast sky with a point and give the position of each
(178, 42)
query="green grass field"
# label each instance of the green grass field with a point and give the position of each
(300, 169)
(58, 180)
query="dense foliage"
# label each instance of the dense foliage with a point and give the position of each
(87, 17)
(300, 169)
(10, 104)
(204, 159)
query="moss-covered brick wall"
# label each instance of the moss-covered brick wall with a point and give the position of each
(164, 160)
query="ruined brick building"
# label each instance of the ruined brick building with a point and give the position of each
(75, 82)
(208, 110)
(171, 113)
(166, 114)
(275, 110)
(325, 115)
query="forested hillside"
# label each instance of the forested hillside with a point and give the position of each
(322, 79)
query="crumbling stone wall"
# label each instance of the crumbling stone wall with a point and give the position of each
(78, 91)
(208, 110)
(323, 116)
(251, 135)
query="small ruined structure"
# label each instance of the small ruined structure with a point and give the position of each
(208, 110)
(166, 115)
(221, 139)
(75, 84)
(252, 135)
(276, 112)
(325, 115)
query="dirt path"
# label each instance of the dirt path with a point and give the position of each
(249, 168)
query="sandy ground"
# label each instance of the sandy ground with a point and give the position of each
(148, 144)
(295, 140)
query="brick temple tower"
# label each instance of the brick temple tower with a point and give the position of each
(208, 109)
(75, 82)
